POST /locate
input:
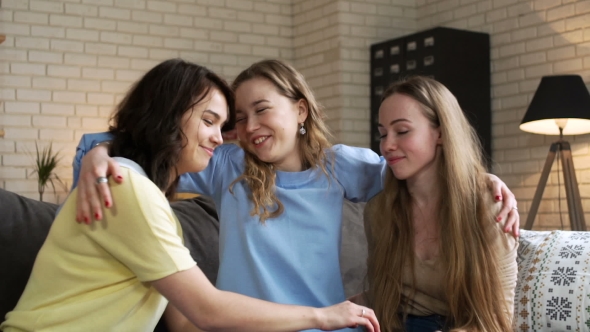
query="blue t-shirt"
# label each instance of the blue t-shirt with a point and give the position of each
(294, 258)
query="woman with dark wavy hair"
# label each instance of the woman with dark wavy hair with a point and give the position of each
(119, 275)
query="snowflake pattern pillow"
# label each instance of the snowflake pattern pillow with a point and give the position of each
(552, 292)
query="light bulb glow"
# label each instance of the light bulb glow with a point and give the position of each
(551, 127)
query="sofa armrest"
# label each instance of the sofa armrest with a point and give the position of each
(24, 224)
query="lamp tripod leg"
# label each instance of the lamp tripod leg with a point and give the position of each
(572, 192)
(541, 186)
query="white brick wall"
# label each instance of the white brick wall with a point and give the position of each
(529, 40)
(332, 40)
(65, 63)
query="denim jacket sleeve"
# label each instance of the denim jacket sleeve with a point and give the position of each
(87, 142)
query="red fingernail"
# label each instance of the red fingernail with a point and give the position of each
(498, 218)
(119, 177)
(96, 216)
(498, 197)
(106, 203)
(86, 220)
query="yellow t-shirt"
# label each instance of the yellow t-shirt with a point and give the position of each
(96, 278)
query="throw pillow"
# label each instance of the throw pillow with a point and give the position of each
(553, 274)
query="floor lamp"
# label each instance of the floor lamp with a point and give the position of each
(560, 106)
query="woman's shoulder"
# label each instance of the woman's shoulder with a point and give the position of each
(227, 156)
(352, 155)
(347, 149)
(138, 186)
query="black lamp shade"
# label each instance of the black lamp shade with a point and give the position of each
(563, 97)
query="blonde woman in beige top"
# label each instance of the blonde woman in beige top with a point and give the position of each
(438, 260)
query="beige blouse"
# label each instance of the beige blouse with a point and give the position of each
(429, 294)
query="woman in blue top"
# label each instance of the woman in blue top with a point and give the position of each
(279, 194)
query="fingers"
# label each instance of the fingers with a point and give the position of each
(516, 227)
(348, 314)
(509, 211)
(366, 318)
(103, 190)
(82, 206)
(513, 222)
(93, 189)
(89, 206)
(371, 322)
(509, 205)
(115, 171)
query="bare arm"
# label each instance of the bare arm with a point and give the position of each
(177, 322)
(211, 309)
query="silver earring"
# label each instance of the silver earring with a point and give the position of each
(302, 130)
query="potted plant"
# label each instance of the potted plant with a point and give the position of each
(45, 164)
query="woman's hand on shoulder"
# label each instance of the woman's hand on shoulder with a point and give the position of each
(348, 314)
(93, 193)
(509, 210)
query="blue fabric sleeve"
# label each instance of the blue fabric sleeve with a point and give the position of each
(196, 183)
(210, 181)
(360, 171)
(87, 142)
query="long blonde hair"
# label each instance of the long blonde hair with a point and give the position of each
(259, 175)
(467, 229)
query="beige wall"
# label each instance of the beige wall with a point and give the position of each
(332, 40)
(65, 63)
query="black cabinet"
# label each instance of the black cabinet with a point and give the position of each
(458, 59)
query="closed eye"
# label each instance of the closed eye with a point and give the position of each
(240, 116)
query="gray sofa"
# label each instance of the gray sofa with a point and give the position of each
(552, 292)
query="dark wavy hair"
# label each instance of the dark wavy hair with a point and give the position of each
(147, 124)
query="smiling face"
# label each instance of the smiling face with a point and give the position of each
(267, 123)
(202, 128)
(409, 141)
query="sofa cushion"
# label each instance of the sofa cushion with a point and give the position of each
(553, 277)
(353, 248)
(200, 230)
(24, 224)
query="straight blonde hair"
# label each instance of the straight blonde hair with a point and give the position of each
(467, 227)
(259, 175)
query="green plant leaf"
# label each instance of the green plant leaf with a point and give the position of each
(45, 164)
